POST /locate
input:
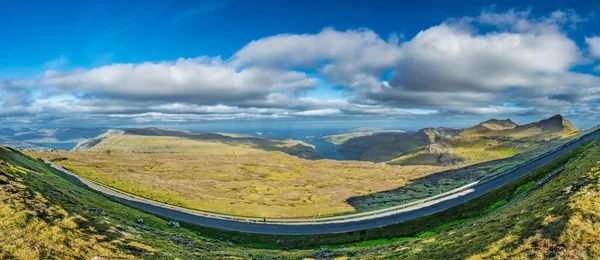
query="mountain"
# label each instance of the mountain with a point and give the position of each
(495, 124)
(158, 140)
(385, 146)
(492, 139)
(553, 127)
(490, 126)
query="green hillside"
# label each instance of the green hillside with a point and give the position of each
(551, 213)
(385, 146)
(43, 215)
(157, 140)
(489, 140)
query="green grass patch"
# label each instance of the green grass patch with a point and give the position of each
(263, 246)
(523, 188)
(449, 224)
(382, 241)
(495, 206)
(426, 234)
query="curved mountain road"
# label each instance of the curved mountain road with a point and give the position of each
(339, 225)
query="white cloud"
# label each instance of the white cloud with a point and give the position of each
(518, 65)
(451, 67)
(523, 21)
(352, 58)
(493, 60)
(320, 112)
(56, 63)
(204, 80)
(594, 45)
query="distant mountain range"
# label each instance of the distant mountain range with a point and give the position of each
(35, 139)
(488, 140)
(159, 140)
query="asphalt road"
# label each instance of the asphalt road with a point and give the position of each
(373, 221)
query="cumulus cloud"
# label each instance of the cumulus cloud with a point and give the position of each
(495, 63)
(594, 45)
(203, 80)
(523, 21)
(352, 58)
(453, 68)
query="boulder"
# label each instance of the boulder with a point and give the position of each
(174, 224)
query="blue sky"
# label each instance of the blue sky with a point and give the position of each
(146, 62)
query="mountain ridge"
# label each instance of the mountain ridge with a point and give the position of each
(140, 140)
(493, 138)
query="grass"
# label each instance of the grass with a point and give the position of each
(258, 184)
(44, 215)
(177, 142)
(523, 188)
(238, 177)
(377, 242)
(472, 145)
(433, 225)
(495, 205)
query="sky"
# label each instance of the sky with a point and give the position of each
(112, 63)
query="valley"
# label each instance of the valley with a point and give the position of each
(270, 178)
(513, 221)
(313, 130)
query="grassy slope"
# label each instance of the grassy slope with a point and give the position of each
(148, 140)
(245, 181)
(383, 146)
(557, 218)
(490, 140)
(44, 215)
(552, 212)
(258, 184)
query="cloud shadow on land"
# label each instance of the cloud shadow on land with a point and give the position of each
(430, 185)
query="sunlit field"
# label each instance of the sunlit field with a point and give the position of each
(260, 184)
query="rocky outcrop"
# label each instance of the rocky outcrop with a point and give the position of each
(556, 123)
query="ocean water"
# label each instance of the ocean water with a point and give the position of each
(299, 130)
(302, 130)
(306, 133)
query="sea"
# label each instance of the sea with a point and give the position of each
(307, 131)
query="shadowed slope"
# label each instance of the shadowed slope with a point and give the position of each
(489, 140)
